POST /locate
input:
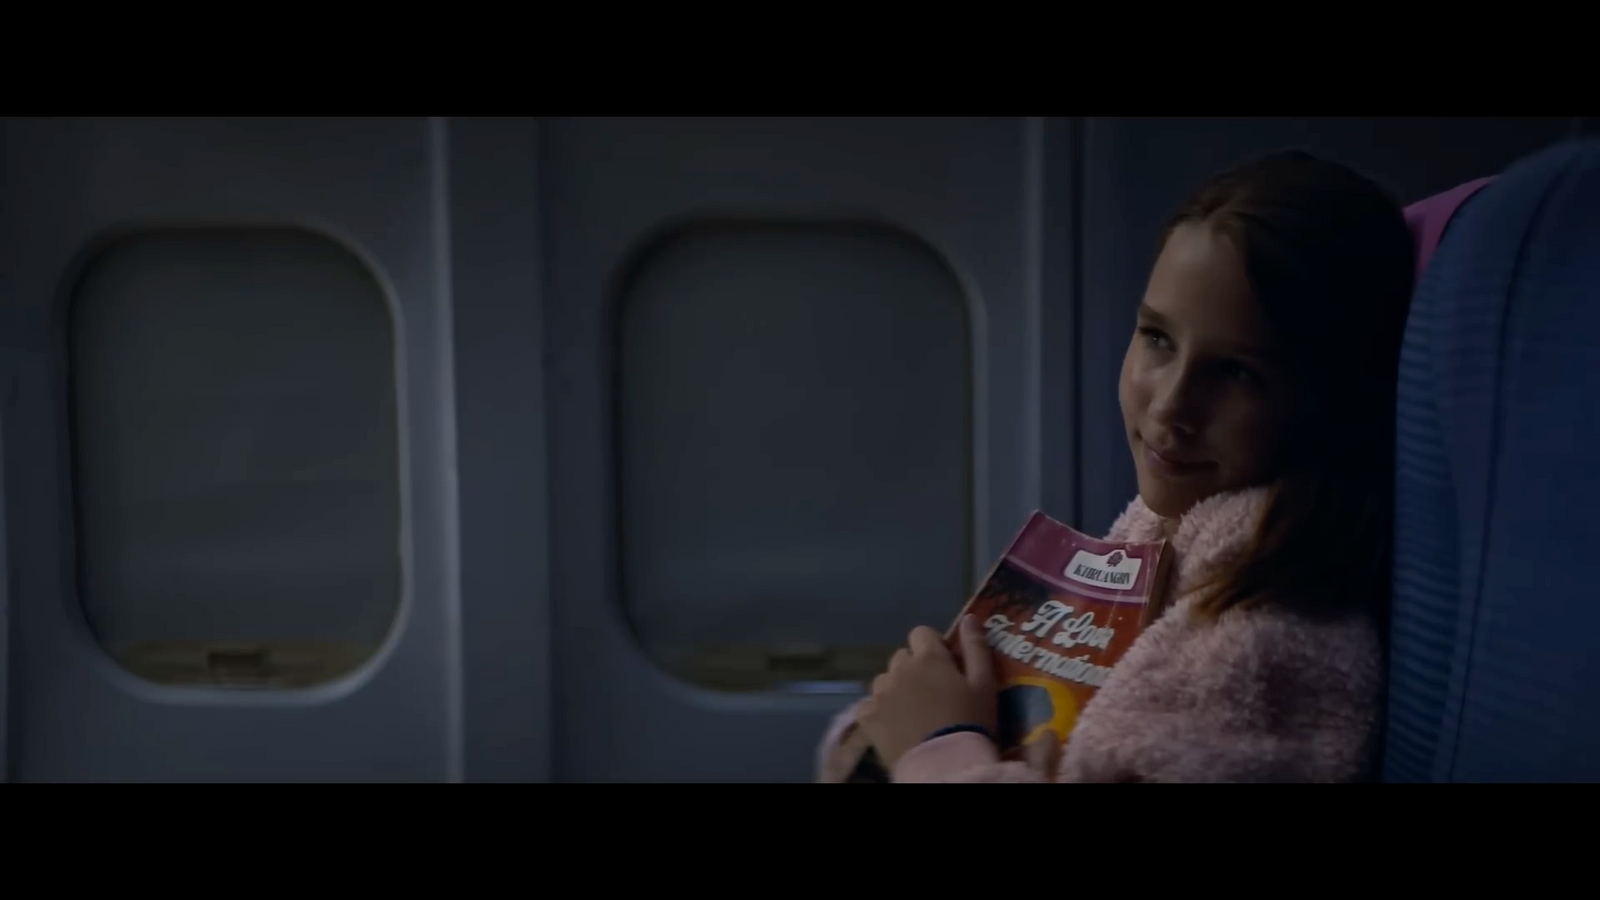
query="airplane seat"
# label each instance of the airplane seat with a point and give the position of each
(1495, 626)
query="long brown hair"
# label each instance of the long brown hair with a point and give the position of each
(1330, 259)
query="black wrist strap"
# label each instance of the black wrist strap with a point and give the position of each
(958, 729)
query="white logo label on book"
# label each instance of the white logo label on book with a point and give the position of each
(1116, 570)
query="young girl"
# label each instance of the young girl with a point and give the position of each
(1258, 399)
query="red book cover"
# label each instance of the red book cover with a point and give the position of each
(1059, 609)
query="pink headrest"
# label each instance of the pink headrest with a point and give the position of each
(1429, 217)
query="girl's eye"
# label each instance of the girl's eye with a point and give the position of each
(1153, 337)
(1240, 372)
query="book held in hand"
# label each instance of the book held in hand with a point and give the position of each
(1059, 610)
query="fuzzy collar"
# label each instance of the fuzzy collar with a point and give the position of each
(1214, 533)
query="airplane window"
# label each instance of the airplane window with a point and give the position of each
(794, 442)
(236, 468)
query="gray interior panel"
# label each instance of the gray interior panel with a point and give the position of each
(610, 187)
(284, 527)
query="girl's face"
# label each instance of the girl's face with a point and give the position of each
(1206, 393)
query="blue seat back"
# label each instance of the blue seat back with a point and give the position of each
(1495, 638)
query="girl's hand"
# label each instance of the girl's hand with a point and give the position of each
(924, 691)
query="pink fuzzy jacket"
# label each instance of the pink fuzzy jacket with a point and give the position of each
(1256, 695)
